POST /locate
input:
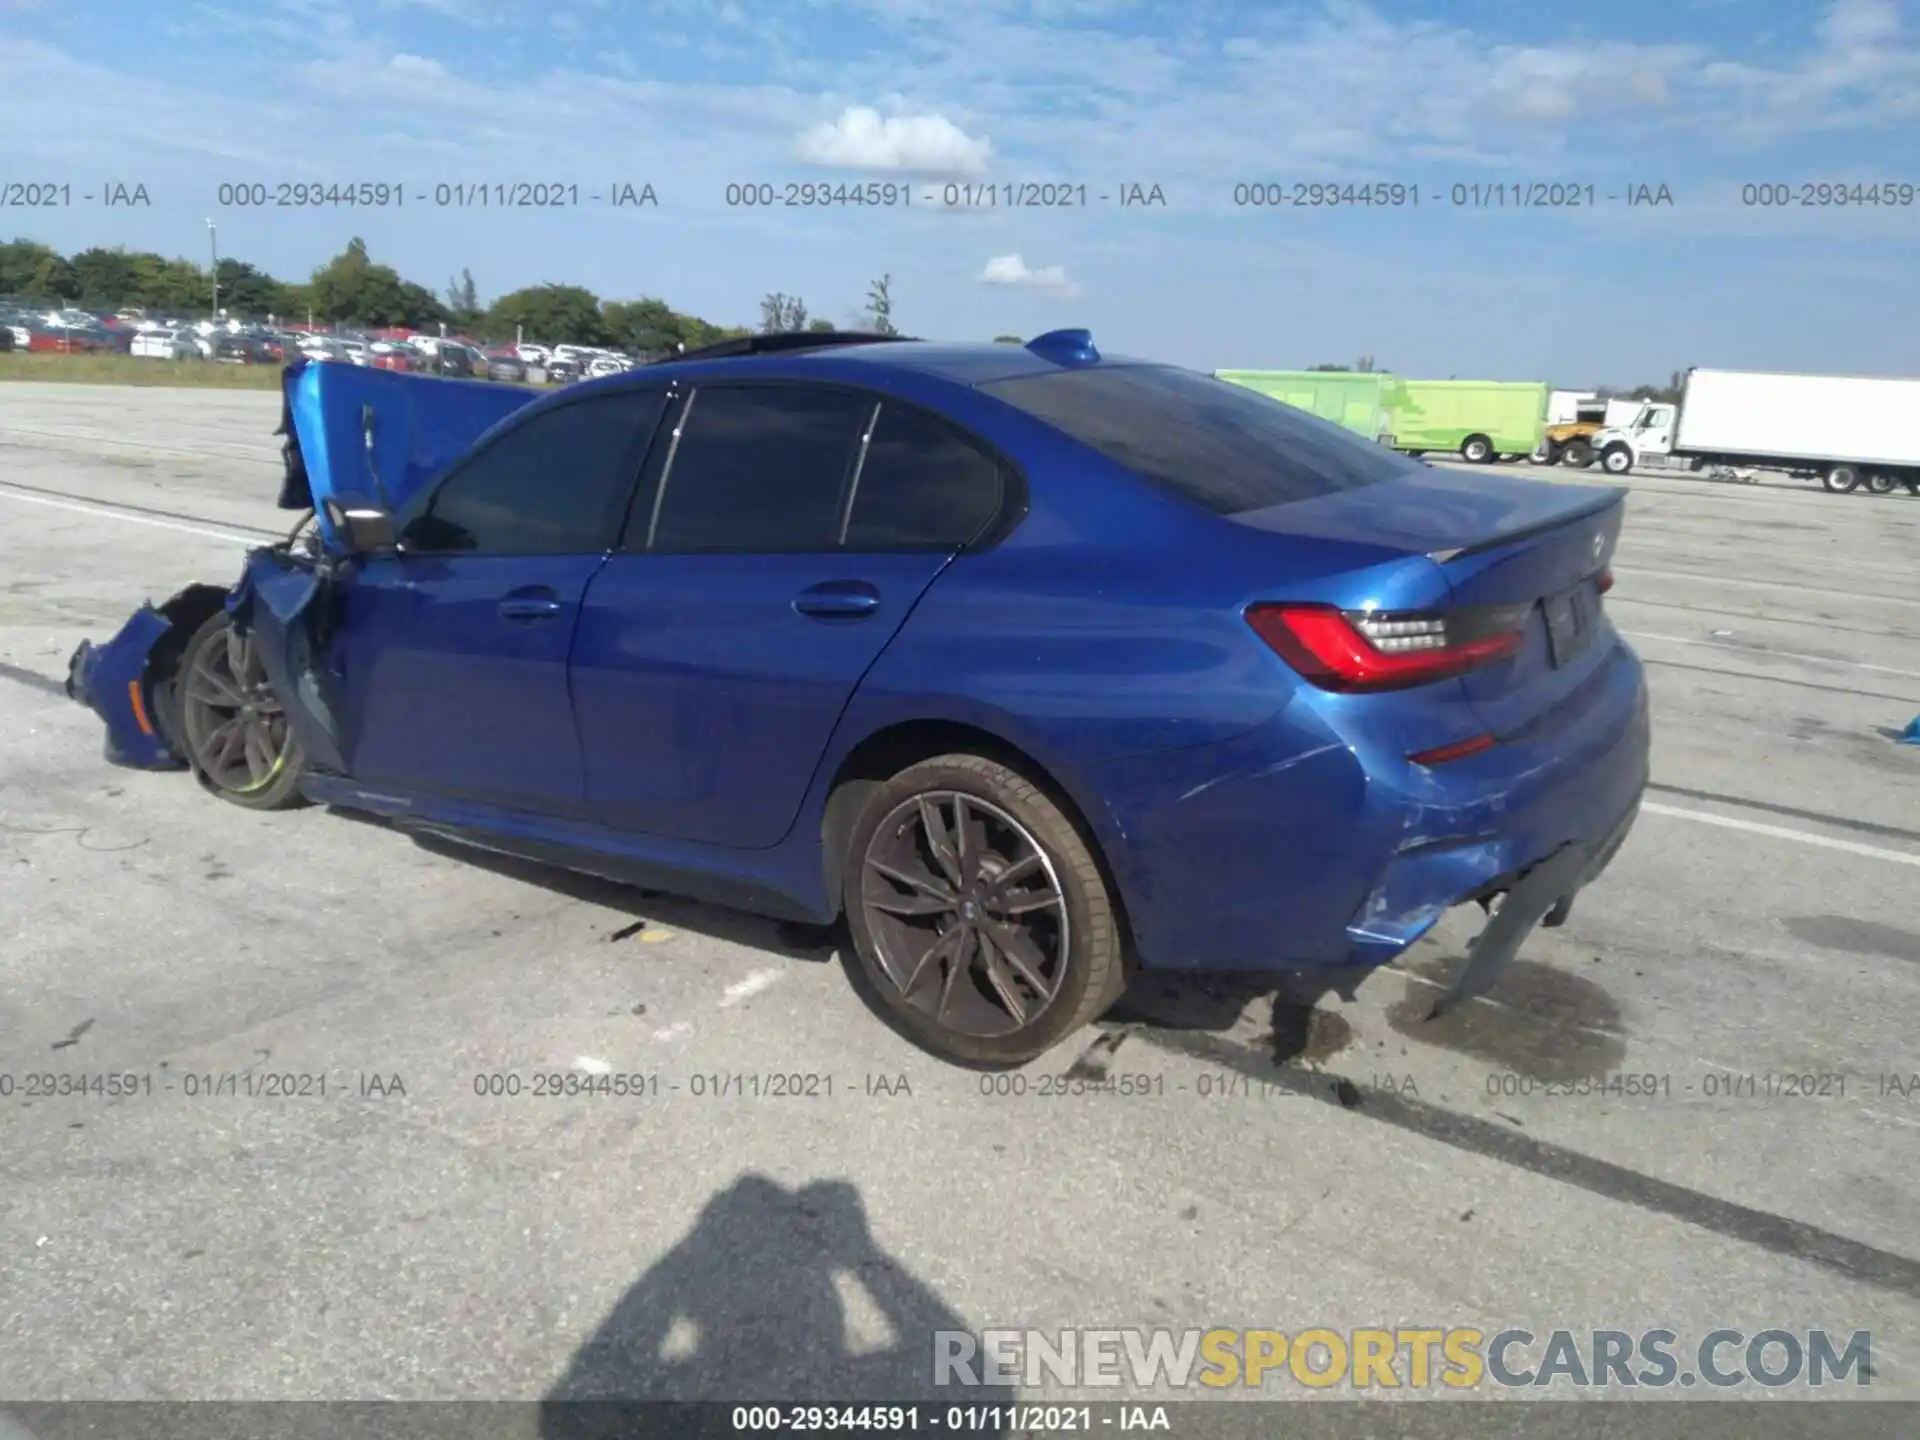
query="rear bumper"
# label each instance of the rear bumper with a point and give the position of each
(1295, 847)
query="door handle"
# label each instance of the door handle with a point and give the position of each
(838, 600)
(535, 603)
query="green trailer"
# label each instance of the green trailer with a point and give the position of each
(1361, 402)
(1481, 420)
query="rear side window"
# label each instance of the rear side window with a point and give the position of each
(922, 486)
(760, 470)
(1217, 444)
(555, 485)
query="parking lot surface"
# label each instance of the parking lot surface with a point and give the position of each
(416, 1222)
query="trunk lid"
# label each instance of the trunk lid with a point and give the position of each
(1498, 541)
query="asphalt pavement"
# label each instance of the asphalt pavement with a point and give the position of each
(333, 1177)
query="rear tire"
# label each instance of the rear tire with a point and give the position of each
(1880, 484)
(233, 729)
(978, 913)
(1578, 454)
(1616, 460)
(1841, 479)
(1477, 450)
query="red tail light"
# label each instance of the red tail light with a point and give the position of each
(1604, 582)
(1355, 650)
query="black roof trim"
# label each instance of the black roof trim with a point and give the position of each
(781, 343)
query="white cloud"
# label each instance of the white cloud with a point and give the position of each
(862, 139)
(418, 65)
(1013, 270)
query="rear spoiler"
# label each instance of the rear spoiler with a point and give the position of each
(1615, 494)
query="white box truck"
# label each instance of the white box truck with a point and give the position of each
(1845, 431)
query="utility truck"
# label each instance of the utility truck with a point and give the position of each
(1359, 400)
(1481, 420)
(1844, 431)
(1570, 441)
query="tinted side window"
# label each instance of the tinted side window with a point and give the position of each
(1219, 445)
(922, 486)
(555, 485)
(761, 469)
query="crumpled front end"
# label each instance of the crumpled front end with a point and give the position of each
(129, 681)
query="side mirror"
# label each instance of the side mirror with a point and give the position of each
(365, 526)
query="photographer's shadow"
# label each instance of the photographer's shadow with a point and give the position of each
(776, 1296)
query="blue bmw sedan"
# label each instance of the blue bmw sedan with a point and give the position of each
(1034, 665)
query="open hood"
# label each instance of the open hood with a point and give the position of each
(355, 431)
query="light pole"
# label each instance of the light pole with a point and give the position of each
(213, 252)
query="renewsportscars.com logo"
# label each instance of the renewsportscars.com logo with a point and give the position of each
(1401, 1358)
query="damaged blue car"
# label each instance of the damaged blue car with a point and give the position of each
(1032, 665)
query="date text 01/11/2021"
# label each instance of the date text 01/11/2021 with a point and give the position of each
(455, 195)
(1477, 195)
(954, 195)
(1019, 1419)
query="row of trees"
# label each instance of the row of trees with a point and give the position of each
(351, 288)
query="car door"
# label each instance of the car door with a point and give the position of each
(453, 655)
(791, 531)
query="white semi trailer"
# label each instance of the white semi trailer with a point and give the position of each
(1845, 431)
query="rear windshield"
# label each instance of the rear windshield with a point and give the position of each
(1219, 445)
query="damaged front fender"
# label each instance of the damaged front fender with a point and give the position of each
(287, 606)
(130, 681)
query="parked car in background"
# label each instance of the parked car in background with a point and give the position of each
(6, 338)
(397, 355)
(231, 349)
(506, 365)
(322, 347)
(533, 354)
(357, 351)
(562, 371)
(602, 365)
(69, 339)
(165, 345)
(453, 360)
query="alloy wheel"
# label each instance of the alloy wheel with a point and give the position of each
(235, 724)
(968, 917)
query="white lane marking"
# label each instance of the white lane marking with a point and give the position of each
(1778, 654)
(674, 1031)
(593, 1066)
(1794, 585)
(756, 982)
(154, 521)
(1781, 832)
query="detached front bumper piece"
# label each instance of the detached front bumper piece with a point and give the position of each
(111, 681)
(128, 680)
(1542, 895)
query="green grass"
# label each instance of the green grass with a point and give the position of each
(125, 370)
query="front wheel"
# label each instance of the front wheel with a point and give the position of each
(235, 729)
(1617, 460)
(978, 913)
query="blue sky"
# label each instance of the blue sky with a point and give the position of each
(690, 95)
